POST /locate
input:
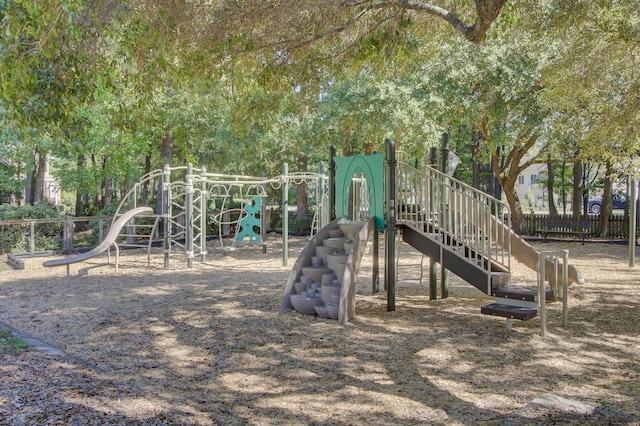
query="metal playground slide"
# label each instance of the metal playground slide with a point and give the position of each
(109, 240)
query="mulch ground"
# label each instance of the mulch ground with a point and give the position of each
(209, 345)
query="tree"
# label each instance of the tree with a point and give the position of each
(593, 82)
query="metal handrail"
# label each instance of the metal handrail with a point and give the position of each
(459, 217)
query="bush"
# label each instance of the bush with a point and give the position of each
(15, 238)
(300, 226)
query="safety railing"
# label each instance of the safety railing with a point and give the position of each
(459, 217)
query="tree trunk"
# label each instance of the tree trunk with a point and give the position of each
(517, 217)
(551, 177)
(576, 196)
(145, 185)
(34, 193)
(506, 181)
(475, 154)
(166, 153)
(507, 167)
(166, 148)
(302, 199)
(107, 188)
(603, 219)
(80, 226)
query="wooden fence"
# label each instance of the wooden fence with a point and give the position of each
(68, 229)
(618, 225)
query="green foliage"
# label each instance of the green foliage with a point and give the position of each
(10, 344)
(15, 238)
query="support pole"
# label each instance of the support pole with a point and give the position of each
(189, 219)
(375, 267)
(332, 183)
(632, 222)
(285, 215)
(320, 197)
(542, 296)
(390, 226)
(204, 204)
(166, 212)
(565, 288)
(433, 265)
(263, 216)
(444, 168)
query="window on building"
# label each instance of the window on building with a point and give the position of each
(520, 180)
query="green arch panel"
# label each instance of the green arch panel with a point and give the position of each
(372, 166)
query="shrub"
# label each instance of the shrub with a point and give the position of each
(15, 238)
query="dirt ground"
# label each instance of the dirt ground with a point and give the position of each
(209, 345)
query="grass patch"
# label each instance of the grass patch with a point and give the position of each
(10, 344)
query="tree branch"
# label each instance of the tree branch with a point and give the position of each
(487, 11)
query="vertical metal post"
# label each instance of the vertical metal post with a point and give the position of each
(320, 194)
(285, 215)
(565, 288)
(433, 265)
(332, 183)
(189, 219)
(390, 226)
(204, 205)
(632, 222)
(263, 216)
(166, 212)
(542, 296)
(444, 218)
(375, 267)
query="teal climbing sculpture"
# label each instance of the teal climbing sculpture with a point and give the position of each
(250, 222)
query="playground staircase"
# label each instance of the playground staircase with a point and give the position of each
(466, 231)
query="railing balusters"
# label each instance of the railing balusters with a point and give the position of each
(459, 212)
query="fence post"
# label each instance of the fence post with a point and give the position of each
(100, 230)
(532, 223)
(67, 236)
(32, 238)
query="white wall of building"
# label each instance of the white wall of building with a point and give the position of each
(530, 193)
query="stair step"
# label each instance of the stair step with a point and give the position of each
(530, 294)
(507, 311)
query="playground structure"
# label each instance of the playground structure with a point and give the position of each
(191, 202)
(458, 227)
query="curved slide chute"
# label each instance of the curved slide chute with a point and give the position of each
(528, 256)
(108, 241)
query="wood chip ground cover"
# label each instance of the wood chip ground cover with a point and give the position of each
(209, 346)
